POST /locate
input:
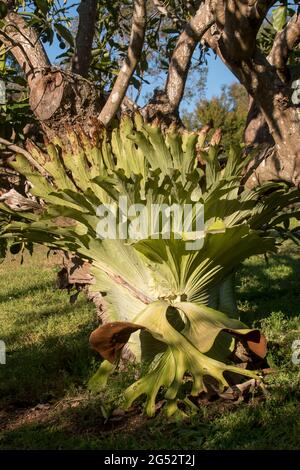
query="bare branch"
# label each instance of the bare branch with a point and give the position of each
(128, 105)
(87, 11)
(18, 203)
(285, 42)
(133, 55)
(164, 9)
(183, 52)
(10, 44)
(15, 148)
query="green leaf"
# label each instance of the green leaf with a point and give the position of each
(43, 6)
(183, 296)
(136, 83)
(181, 356)
(99, 380)
(3, 10)
(279, 17)
(170, 30)
(64, 33)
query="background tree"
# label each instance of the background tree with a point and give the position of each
(227, 111)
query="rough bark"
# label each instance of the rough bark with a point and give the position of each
(284, 43)
(59, 97)
(77, 101)
(182, 55)
(164, 104)
(272, 96)
(239, 21)
(25, 46)
(121, 84)
(56, 97)
(81, 61)
(257, 130)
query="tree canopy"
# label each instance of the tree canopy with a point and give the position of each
(108, 49)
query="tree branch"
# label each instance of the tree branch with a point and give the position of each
(285, 42)
(133, 55)
(183, 52)
(165, 10)
(26, 47)
(239, 22)
(81, 61)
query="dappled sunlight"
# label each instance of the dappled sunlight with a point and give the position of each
(270, 285)
(46, 336)
(45, 404)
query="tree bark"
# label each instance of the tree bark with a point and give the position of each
(274, 99)
(57, 97)
(164, 105)
(81, 61)
(135, 47)
(273, 103)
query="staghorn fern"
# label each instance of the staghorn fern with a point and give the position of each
(174, 307)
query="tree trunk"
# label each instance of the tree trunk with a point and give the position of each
(282, 116)
(61, 98)
(273, 120)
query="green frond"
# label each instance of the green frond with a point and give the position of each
(146, 280)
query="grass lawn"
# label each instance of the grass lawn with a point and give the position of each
(43, 399)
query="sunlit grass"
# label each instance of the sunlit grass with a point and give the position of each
(45, 336)
(49, 362)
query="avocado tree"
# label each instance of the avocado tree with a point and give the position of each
(107, 46)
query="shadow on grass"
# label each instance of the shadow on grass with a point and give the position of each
(44, 370)
(37, 320)
(266, 287)
(21, 292)
(266, 426)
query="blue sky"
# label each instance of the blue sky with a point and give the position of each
(218, 75)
